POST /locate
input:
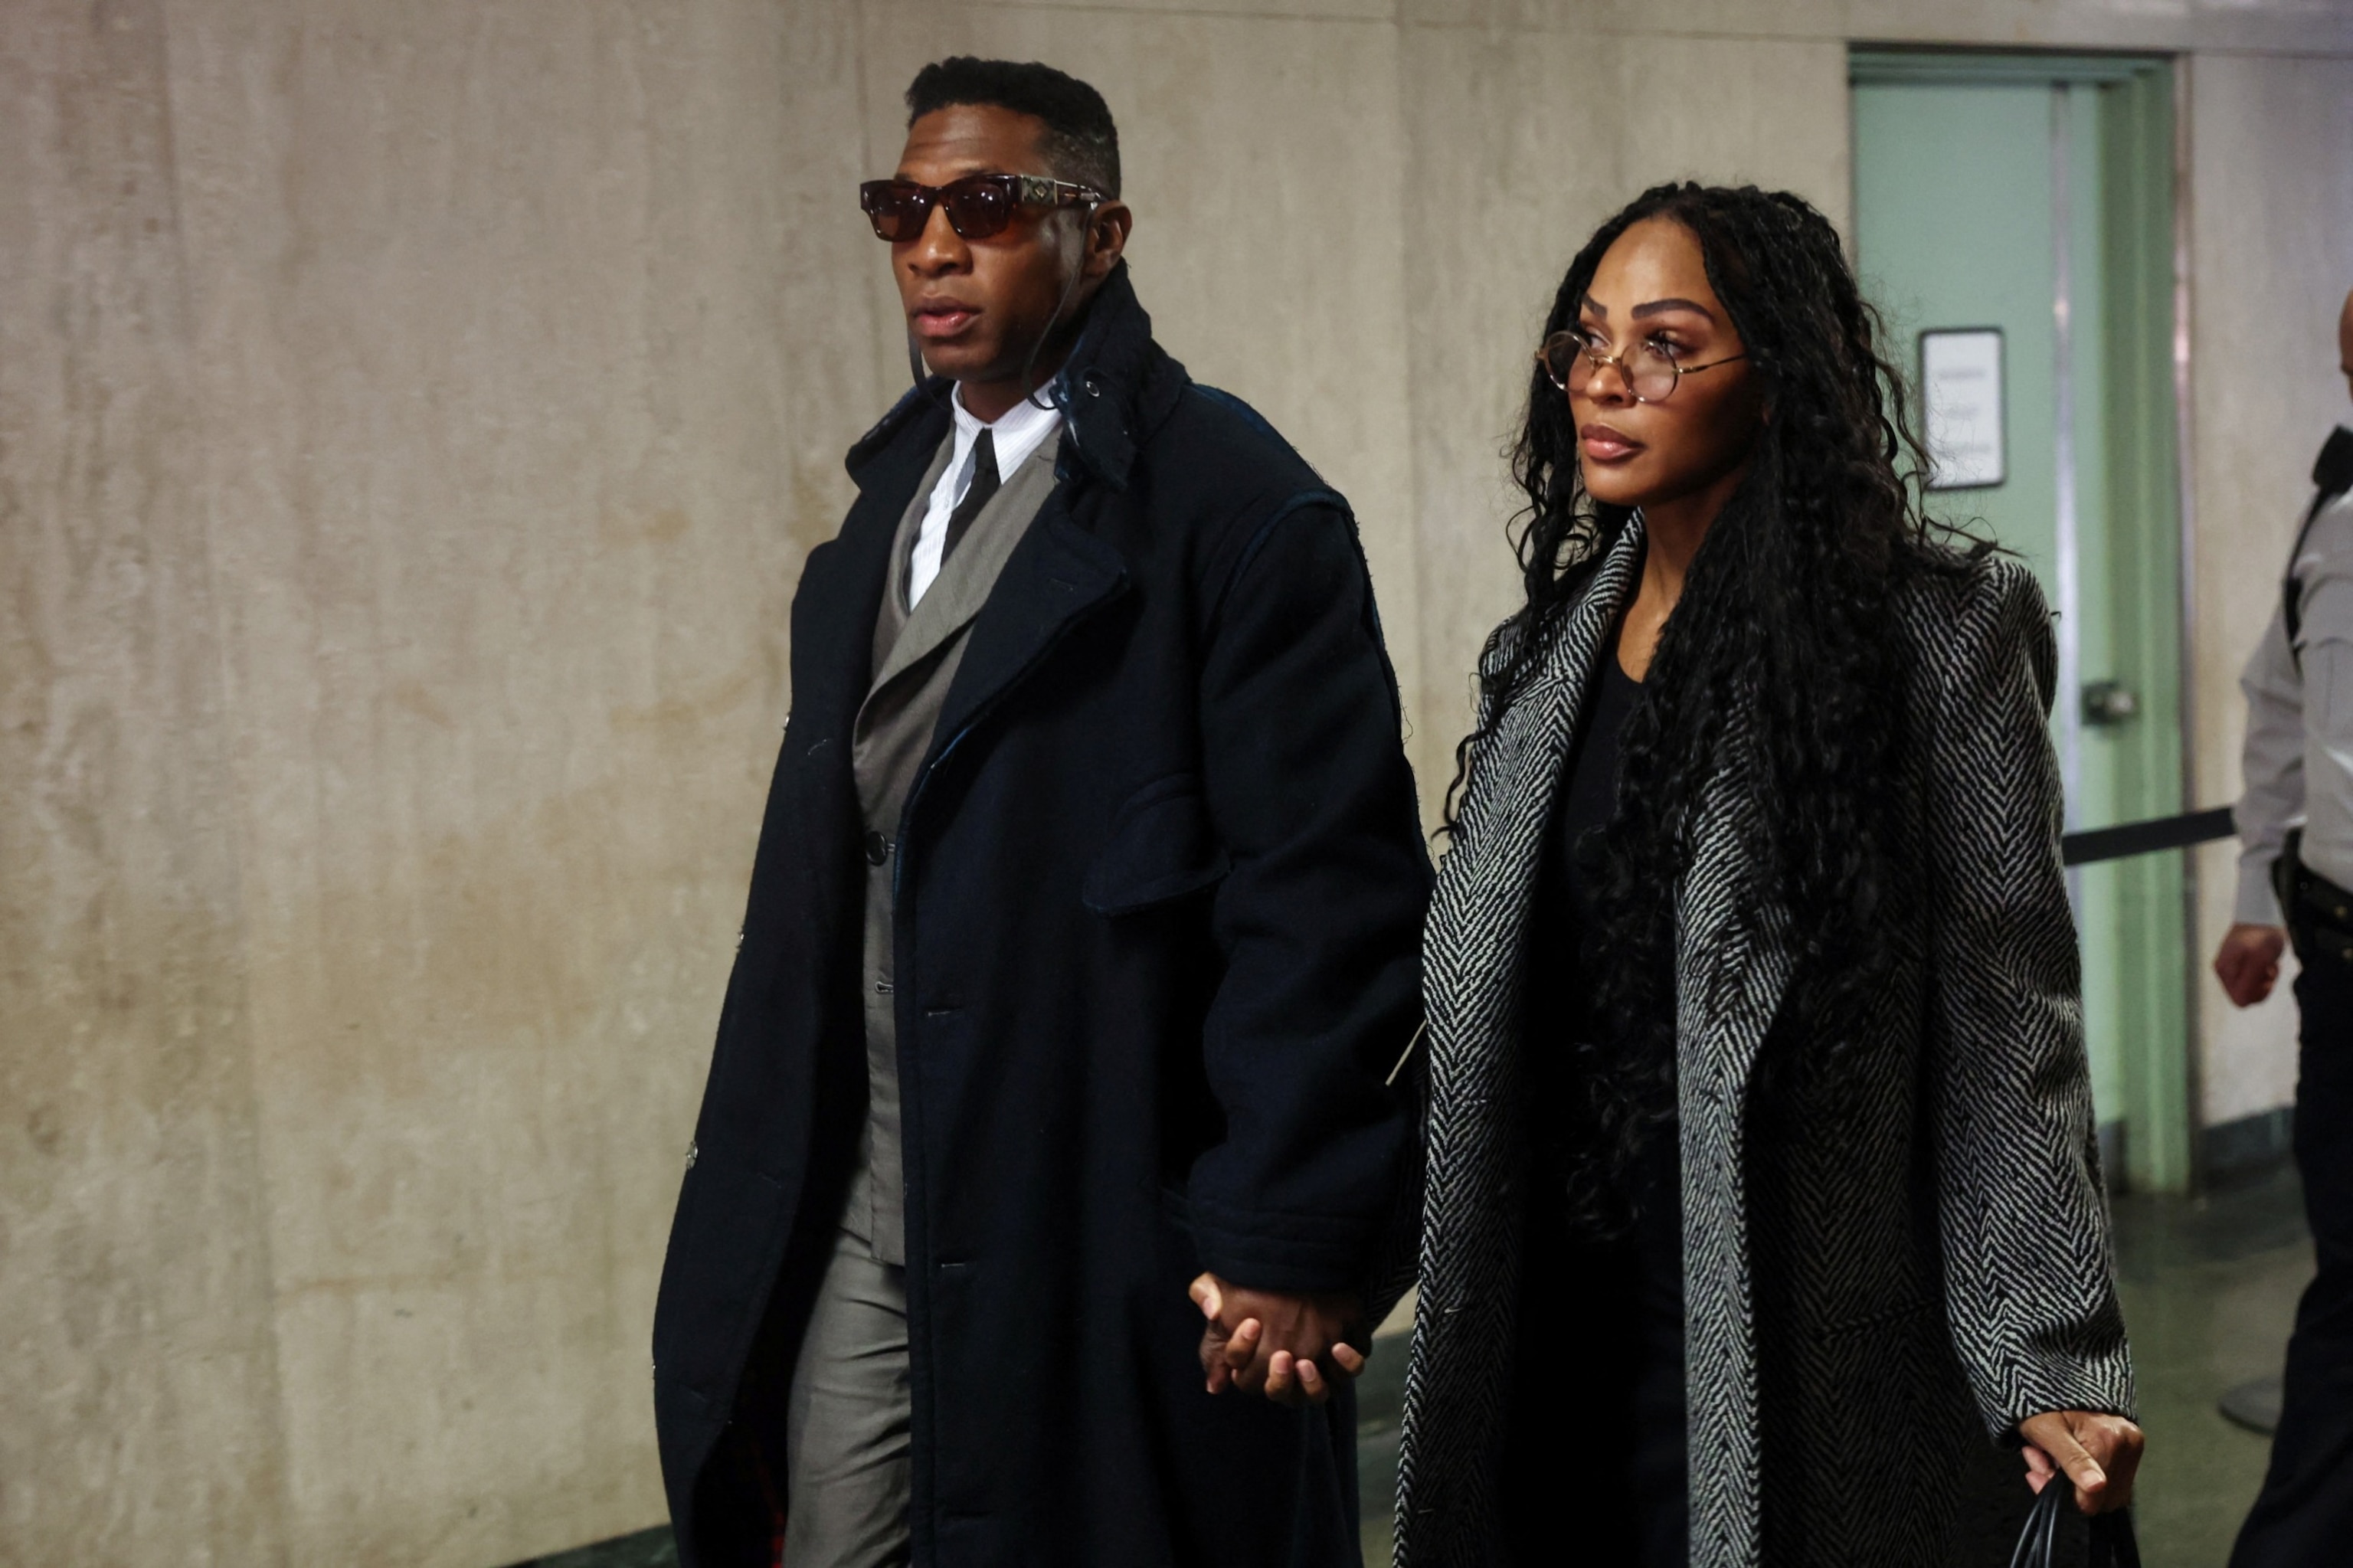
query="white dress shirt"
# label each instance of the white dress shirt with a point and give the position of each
(2299, 754)
(1019, 432)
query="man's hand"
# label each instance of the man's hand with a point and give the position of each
(2248, 962)
(2099, 1453)
(1277, 1344)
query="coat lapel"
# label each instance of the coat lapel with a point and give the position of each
(833, 619)
(965, 582)
(1477, 921)
(841, 583)
(1056, 576)
(1733, 954)
(1472, 951)
(1734, 948)
(834, 609)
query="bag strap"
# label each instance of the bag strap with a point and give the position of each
(2113, 1544)
(2332, 476)
(2037, 1543)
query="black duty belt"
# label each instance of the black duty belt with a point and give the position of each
(2319, 913)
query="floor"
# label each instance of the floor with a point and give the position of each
(2210, 1286)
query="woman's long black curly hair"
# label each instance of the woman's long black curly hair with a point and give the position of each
(1783, 645)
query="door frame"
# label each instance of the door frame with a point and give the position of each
(2143, 236)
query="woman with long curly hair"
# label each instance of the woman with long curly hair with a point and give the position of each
(1762, 1183)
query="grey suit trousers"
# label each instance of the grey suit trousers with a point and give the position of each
(846, 1420)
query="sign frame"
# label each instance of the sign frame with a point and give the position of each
(1975, 477)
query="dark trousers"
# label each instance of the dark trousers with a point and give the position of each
(1596, 1468)
(2303, 1518)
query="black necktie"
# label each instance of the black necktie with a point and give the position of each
(975, 495)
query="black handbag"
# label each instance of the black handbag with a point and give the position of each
(2113, 1545)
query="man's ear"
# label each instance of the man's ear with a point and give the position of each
(1107, 230)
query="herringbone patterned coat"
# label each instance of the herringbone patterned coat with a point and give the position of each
(1873, 1281)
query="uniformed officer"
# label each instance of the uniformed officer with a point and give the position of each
(2294, 886)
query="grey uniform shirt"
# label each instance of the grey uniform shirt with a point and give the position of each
(2298, 760)
(917, 649)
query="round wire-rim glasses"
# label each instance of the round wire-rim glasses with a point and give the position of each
(1569, 363)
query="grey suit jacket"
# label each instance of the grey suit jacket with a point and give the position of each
(1926, 1267)
(916, 654)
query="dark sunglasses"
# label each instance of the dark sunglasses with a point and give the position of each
(979, 206)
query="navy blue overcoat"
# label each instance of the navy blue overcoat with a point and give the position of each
(1160, 886)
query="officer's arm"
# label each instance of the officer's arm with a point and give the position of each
(2271, 762)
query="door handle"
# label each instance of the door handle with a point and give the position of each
(2110, 702)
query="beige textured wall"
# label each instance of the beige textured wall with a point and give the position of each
(139, 1376)
(523, 396)
(413, 414)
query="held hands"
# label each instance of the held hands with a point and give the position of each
(1289, 1348)
(2248, 962)
(2098, 1453)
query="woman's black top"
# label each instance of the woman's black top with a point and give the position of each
(1601, 1322)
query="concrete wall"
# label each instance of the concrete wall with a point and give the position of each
(413, 414)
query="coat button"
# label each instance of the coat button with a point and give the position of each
(878, 849)
(1093, 385)
(693, 1153)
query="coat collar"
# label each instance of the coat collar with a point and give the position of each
(1116, 388)
(1119, 386)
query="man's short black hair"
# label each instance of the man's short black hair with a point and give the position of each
(1082, 143)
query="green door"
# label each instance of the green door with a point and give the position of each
(2013, 221)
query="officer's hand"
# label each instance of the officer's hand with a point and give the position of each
(1288, 1347)
(2248, 962)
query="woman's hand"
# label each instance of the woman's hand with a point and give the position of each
(1265, 1342)
(2098, 1453)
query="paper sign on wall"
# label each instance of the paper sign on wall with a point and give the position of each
(1961, 390)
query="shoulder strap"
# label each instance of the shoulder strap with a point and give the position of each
(2332, 476)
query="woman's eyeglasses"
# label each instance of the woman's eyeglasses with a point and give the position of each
(1649, 370)
(979, 206)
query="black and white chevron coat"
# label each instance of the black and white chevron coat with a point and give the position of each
(1858, 1282)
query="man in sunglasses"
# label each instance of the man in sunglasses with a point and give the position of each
(1049, 1170)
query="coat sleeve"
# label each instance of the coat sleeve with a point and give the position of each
(1318, 920)
(2029, 1279)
